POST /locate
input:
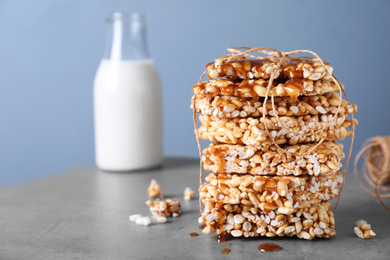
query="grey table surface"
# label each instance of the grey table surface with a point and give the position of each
(84, 214)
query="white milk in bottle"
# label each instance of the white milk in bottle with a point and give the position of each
(127, 100)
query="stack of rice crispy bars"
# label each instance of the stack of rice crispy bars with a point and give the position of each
(272, 174)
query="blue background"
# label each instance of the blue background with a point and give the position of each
(50, 50)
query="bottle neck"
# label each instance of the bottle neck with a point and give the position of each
(126, 37)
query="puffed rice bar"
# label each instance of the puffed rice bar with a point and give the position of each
(230, 106)
(251, 131)
(308, 68)
(283, 194)
(258, 88)
(240, 220)
(290, 160)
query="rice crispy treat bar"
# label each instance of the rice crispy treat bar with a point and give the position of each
(293, 160)
(251, 131)
(249, 88)
(240, 220)
(230, 106)
(307, 68)
(283, 194)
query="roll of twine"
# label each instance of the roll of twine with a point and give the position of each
(376, 168)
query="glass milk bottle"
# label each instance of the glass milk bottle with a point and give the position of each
(127, 99)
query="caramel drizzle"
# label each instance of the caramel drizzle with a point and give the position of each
(226, 251)
(221, 238)
(282, 56)
(293, 88)
(269, 247)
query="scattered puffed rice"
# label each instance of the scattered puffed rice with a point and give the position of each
(363, 229)
(134, 217)
(154, 189)
(161, 219)
(188, 193)
(143, 221)
(358, 232)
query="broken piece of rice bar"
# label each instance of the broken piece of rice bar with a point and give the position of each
(363, 230)
(230, 106)
(164, 208)
(240, 220)
(258, 88)
(188, 193)
(154, 189)
(283, 194)
(251, 131)
(287, 160)
(293, 67)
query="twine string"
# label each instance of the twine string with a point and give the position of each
(376, 167)
(199, 149)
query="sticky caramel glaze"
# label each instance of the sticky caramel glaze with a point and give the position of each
(221, 166)
(294, 71)
(202, 226)
(227, 91)
(291, 70)
(293, 87)
(242, 88)
(221, 238)
(193, 234)
(226, 251)
(221, 179)
(220, 219)
(246, 90)
(269, 247)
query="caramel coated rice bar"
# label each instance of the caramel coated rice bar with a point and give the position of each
(230, 106)
(251, 131)
(283, 194)
(258, 88)
(290, 160)
(307, 68)
(240, 220)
